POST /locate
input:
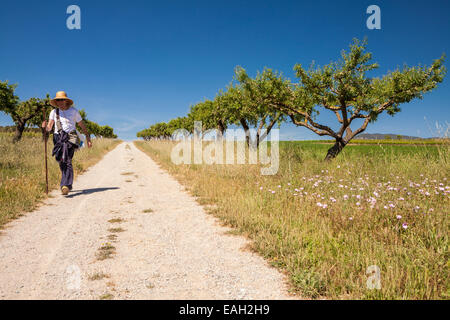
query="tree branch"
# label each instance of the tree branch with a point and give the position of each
(269, 127)
(305, 124)
(338, 117)
(361, 129)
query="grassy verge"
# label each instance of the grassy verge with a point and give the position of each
(22, 171)
(325, 224)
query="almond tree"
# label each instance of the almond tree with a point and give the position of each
(8, 100)
(345, 89)
(214, 114)
(179, 123)
(254, 98)
(36, 121)
(158, 131)
(22, 113)
(145, 134)
(25, 113)
(221, 113)
(204, 112)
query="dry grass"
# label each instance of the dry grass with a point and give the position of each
(326, 223)
(106, 296)
(98, 276)
(116, 230)
(22, 171)
(106, 251)
(112, 237)
(116, 220)
(127, 173)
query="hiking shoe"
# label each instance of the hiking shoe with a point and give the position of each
(65, 190)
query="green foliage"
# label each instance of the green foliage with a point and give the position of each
(204, 112)
(159, 130)
(256, 95)
(179, 123)
(25, 113)
(343, 87)
(8, 100)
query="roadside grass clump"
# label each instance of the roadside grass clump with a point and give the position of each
(106, 251)
(98, 276)
(116, 230)
(106, 296)
(112, 237)
(22, 171)
(127, 173)
(327, 223)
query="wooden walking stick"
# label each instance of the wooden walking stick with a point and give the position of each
(45, 151)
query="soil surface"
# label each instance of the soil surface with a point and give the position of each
(128, 230)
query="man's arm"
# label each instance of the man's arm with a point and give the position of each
(83, 127)
(48, 126)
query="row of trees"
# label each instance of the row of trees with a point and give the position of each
(29, 113)
(342, 87)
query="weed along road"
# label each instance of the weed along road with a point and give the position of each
(128, 230)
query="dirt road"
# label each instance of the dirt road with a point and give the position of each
(158, 243)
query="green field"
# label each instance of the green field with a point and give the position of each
(443, 141)
(378, 149)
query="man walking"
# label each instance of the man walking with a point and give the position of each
(65, 117)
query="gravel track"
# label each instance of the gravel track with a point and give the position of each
(175, 251)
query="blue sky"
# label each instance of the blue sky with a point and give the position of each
(136, 63)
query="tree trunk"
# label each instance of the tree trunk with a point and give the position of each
(221, 127)
(19, 130)
(247, 131)
(260, 136)
(335, 150)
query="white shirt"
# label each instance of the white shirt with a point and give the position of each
(67, 117)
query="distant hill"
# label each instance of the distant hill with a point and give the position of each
(378, 136)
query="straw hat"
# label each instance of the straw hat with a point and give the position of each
(60, 95)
